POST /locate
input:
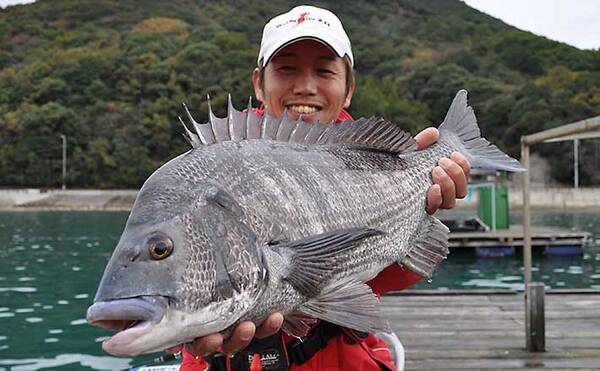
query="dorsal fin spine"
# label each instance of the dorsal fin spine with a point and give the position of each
(230, 115)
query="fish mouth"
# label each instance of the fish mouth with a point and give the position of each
(130, 317)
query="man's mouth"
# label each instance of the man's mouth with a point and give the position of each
(302, 109)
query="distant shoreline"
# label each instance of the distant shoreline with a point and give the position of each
(17, 200)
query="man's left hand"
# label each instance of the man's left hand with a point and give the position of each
(449, 177)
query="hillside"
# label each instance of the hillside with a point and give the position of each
(111, 75)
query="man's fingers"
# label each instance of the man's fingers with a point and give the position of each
(205, 345)
(462, 162)
(447, 187)
(457, 174)
(426, 138)
(434, 199)
(240, 337)
(270, 326)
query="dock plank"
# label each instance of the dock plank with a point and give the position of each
(483, 332)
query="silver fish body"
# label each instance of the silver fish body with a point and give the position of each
(276, 215)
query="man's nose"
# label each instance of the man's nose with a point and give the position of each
(305, 83)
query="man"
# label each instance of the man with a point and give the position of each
(305, 67)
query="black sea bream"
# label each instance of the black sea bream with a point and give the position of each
(269, 214)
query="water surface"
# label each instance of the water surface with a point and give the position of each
(52, 263)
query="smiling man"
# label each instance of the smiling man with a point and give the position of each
(305, 68)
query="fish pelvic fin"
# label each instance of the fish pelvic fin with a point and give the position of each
(460, 127)
(371, 133)
(347, 302)
(310, 260)
(429, 247)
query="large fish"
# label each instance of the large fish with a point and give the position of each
(269, 214)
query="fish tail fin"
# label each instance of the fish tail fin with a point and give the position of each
(460, 127)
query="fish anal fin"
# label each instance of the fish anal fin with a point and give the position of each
(429, 247)
(349, 303)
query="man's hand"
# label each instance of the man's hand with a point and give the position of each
(449, 177)
(240, 337)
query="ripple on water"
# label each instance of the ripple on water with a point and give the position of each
(77, 322)
(34, 319)
(18, 289)
(81, 296)
(63, 302)
(55, 331)
(76, 269)
(7, 314)
(595, 276)
(2, 338)
(51, 340)
(26, 279)
(48, 306)
(85, 360)
(24, 310)
(35, 246)
(20, 268)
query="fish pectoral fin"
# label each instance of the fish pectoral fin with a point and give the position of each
(348, 303)
(429, 248)
(311, 259)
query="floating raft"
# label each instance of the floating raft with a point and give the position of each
(485, 330)
(502, 242)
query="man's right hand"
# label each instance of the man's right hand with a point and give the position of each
(240, 337)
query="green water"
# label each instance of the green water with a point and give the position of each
(52, 261)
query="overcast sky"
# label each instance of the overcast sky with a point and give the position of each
(575, 22)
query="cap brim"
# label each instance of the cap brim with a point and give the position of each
(276, 47)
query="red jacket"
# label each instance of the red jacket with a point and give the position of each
(370, 354)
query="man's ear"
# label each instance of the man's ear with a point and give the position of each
(351, 88)
(257, 83)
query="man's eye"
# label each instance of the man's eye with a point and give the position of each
(325, 71)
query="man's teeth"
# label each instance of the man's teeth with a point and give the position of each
(305, 110)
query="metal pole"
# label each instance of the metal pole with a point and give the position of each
(526, 214)
(576, 163)
(64, 161)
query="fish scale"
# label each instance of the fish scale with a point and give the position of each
(295, 220)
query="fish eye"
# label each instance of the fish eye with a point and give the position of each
(160, 247)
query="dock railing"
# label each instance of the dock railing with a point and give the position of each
(534, 292)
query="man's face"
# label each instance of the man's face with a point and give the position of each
(308, 79)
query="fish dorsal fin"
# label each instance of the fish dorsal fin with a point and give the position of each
(373, 133)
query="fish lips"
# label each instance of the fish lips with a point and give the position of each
(130, 316)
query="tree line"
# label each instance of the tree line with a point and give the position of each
(112, 75)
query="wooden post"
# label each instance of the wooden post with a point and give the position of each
(535, 317)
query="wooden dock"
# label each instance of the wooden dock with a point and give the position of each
(484, 330)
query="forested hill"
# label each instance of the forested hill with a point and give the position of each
(111, 75)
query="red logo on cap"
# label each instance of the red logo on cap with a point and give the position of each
(301, 18)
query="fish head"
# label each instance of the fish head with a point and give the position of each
(185, 266)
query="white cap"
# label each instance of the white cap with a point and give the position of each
(304, 22)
